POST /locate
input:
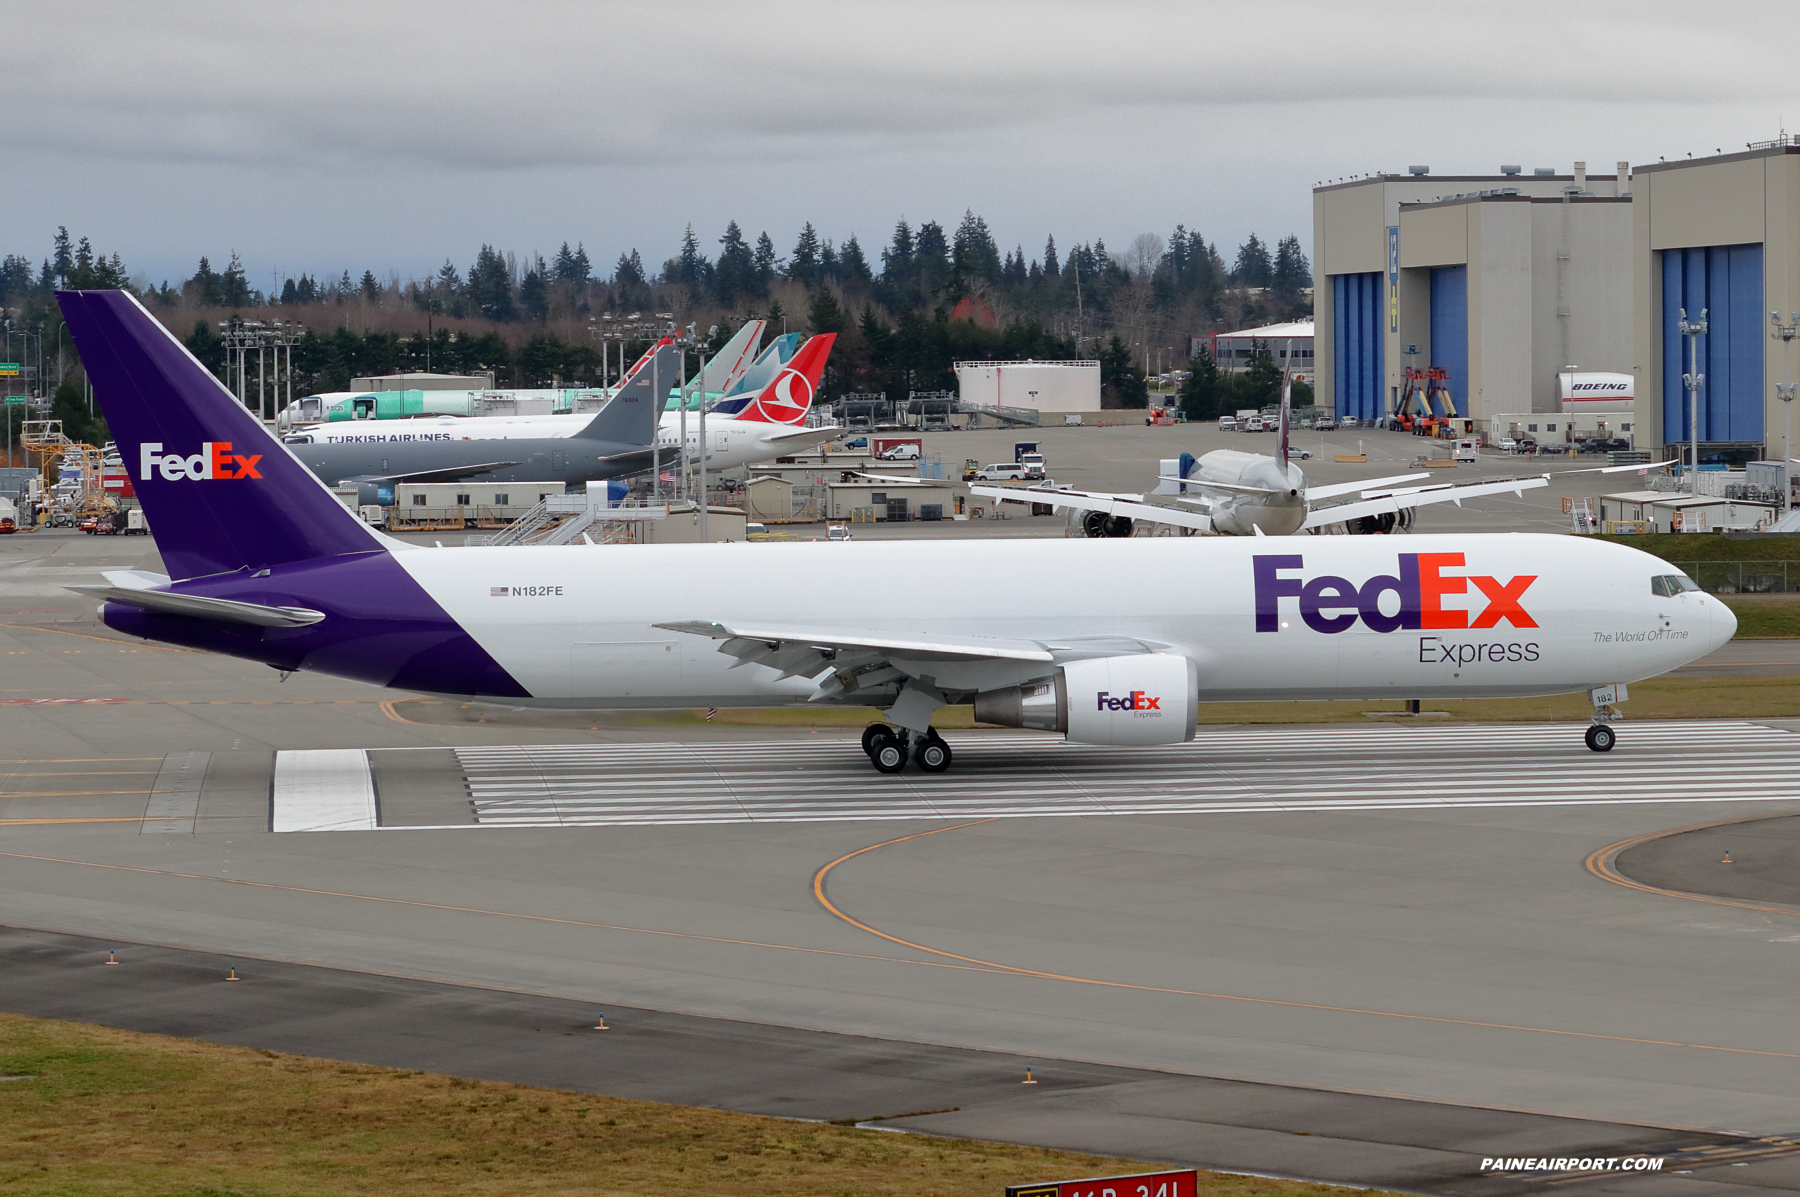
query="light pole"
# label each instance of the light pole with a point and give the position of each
(1694, 381)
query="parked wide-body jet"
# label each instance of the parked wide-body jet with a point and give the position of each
(767, 423)
(615, 442)
(1116, 642)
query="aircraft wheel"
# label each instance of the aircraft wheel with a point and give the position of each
(932, 754)
(1600, 738)
(888, 753)
(869, 734)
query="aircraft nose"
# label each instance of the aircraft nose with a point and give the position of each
(1724, 623)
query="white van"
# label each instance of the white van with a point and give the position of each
(1466, 450)
(1001, 471)
(1253, 424)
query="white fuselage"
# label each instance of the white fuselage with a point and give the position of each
(575, 624)
(730, 442)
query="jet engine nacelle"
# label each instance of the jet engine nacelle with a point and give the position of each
(1140, 698)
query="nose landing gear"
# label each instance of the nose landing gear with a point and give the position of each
(1600, 735)
(889, 747)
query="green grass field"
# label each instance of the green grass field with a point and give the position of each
(94, 1112)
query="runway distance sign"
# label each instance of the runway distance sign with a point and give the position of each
(1183, 1183)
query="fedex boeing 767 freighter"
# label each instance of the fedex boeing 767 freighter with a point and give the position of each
(1107, 641)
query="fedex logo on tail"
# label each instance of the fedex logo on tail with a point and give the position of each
(1137, 700)
(1332, 604)
(215, 460)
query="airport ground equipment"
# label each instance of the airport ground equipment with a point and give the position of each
(1112, 642)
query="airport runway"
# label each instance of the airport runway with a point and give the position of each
(1402, 912)
(1002, 775)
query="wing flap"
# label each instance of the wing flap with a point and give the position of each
(1422, 497)
(775, 640)
(1131, 507)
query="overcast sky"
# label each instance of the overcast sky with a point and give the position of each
(389, 134)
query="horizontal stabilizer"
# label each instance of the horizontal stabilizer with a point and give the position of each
(198, 607)
(1232, 487)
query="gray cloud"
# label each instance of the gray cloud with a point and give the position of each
(637, 117)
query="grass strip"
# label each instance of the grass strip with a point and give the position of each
(96, 1111)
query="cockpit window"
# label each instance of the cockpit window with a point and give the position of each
(1669, 585)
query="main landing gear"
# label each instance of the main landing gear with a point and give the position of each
(889, 747)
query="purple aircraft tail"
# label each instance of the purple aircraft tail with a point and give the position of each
(222, 494)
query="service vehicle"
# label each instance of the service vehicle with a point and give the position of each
(904, 451)
(1001, 471)
(837, 532)
(1228, 424)
(970, 466)
(1254, 424)
(1325, 424)
(1034, 464)
(1466, 449)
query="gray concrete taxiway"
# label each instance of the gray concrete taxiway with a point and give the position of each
(1204, 980)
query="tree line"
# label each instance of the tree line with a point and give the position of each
(904, 313)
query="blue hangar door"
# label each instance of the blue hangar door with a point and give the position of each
(1725, 281)
(1450, 331)
(1358, 329)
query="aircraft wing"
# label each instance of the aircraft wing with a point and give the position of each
(1423, 496)
(1349, 488)
(858, 659)
(198, 607)
(1619, 469)
(823, 432)
(1129, 506)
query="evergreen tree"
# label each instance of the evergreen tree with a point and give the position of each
(689, 268)
(370, 287)
(1120, 378)
(449, 279)
(735, 274)
(489, 286)
(534, 290)
(203, 288)
(1203, 394)
(973, 252)
(1051, 268)
(62, 259)
(853, 267)
(290, 294)
(1253, 268)
(1260, 384)
(766, 263)
(803, 267)
(897, 258)
(826, 315)
(1292, 272)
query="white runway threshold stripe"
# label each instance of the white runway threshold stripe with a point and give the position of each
(1009, 775)
(329, 789)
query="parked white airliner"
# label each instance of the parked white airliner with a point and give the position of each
(773, 424)
(1112, 642)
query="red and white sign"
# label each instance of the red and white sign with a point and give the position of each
(896, 448)
(1183, 1183)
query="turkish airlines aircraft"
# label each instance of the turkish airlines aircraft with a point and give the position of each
(1115, 642)
(772, 423)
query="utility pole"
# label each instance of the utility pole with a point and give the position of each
(1785, 333)
(1694, 381)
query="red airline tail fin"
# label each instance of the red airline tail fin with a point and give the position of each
(789, 396)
